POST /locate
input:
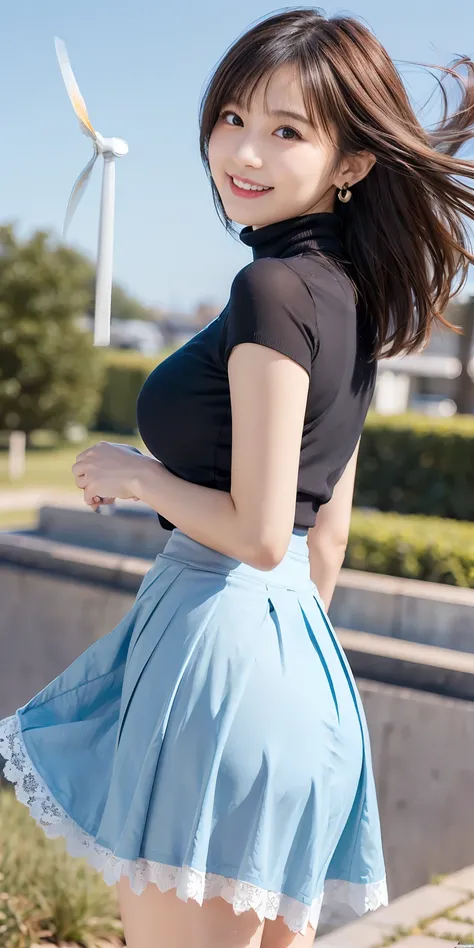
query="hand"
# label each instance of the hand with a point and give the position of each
(107, 470)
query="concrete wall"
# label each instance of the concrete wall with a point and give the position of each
(46, 622)
(131, 530)
(424, 774)
(431, 613)
(55, 601)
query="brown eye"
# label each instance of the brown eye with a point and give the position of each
(223, 115)
(288, 128)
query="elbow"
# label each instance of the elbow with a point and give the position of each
(329, 537)
(328, 542)
(339, 544)
(266, 558)
(330, 549)
(266, 554)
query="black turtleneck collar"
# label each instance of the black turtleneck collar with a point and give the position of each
(322, 232)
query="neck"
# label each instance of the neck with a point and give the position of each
(320, 231)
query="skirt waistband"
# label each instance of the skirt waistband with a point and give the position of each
(292, 572)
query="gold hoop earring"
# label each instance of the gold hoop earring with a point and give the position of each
(344, 194)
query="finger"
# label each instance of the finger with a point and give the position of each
(85, 453)
(91, 496)
(78, 469)
(90, 503)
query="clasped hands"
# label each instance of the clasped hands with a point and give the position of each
(108, 470)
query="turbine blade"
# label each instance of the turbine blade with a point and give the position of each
(72, 88)
(78, 190)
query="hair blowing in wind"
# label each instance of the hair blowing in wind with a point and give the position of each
(404, 232)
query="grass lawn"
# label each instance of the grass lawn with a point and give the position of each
(47, 897)
(18, 519)
(49, 465)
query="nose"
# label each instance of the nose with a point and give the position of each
(247, 153)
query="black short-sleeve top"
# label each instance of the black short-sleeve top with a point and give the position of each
(295, 296)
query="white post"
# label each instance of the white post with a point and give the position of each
(16, 454)
(105, 252)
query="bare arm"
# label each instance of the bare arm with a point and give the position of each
(254, 521)
(327, 540)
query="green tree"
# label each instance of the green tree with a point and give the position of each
(123, 306)
(50, 371)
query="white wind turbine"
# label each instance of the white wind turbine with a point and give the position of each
(110, 149)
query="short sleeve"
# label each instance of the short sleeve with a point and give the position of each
(271, 305)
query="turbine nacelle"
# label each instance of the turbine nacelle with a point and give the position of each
(116, 147)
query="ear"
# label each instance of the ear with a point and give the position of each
(355, 167)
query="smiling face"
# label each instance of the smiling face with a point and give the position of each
(283, 153)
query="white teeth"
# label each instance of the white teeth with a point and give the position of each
(249, 187)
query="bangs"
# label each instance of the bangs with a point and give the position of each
(240, 85)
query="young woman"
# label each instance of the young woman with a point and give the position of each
(210, 755)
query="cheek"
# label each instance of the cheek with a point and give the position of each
(305, 167)
(216, 152)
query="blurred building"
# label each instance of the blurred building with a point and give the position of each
(138, 334)
(171, 330)
(428, 381)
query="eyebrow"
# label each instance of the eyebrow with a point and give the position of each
(294, 115)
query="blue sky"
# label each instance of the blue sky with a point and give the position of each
(142, 68)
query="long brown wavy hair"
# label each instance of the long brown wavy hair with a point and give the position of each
(403, 229)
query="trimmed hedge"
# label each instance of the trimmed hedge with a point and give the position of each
(126, 371)
(414, 464)
(416, 547)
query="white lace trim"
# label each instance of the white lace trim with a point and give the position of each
(341, 900)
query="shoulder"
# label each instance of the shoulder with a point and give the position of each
(305, 279)
(285, 303)
(267, 275)
(326, 278)
(270, 304)
(273, 291)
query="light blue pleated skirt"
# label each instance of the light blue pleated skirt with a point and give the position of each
(213, 742)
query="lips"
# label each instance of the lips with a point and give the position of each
(244, 192)
(249, 181)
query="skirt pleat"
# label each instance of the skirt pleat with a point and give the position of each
(214, 742)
